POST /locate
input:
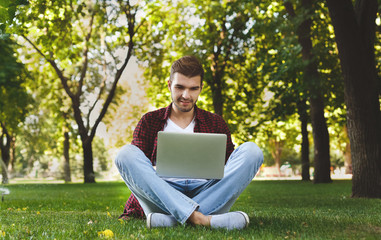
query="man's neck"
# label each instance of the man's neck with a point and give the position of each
(182, 119)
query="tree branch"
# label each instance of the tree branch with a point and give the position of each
(85, 55)
(289, 8)
(131, 31)
(112, 55)
(60, 74)
(102, 88)
(64, 81)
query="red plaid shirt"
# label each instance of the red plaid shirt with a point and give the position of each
(145, 137)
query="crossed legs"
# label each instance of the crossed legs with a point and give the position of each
(213, 197)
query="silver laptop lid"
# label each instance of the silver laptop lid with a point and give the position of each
(191, 155)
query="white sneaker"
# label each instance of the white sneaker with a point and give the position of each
(230, 221)
(160, 220)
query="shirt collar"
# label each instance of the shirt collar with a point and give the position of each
(198, 115)
(167, 112)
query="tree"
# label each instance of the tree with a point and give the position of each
(7, 13)
(79, 40)
(5, 147)
(354, 27)
(133, 103)
(215, 31)
(11, 74)
(232, 40)
(248, 59)
(13, 101)
(277, 134)
(299, 40)
(282, 61)
(227, 37)
(313, 82)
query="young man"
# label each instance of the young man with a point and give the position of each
(167, 202)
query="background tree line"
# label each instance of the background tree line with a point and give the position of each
(277, 71)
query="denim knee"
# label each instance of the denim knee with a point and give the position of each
(254, 155)
(124, 156)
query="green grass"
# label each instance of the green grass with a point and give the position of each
(277, 210)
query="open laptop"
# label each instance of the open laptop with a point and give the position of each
(191, 155)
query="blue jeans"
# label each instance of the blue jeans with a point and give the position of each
(181, 198)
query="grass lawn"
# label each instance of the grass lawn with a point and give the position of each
(277, 210)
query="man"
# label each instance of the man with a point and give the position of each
(167, 202)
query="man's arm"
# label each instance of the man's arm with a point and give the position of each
(142, 136)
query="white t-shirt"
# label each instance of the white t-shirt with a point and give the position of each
(170, 126)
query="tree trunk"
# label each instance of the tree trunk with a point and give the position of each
(12, 159)
(347, 154)
(5, 146)
(88, 168)
(75, 92)
(305, 155)
(311, 78)
(322, 162)
(217, 101)
(277, 153)
(355, 35)
(4, 172)
(66, 154)
(216, 87)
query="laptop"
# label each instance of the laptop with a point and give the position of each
(191, 155)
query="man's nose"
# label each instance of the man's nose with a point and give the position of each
(186, 94)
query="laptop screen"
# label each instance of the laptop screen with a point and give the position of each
(191, 155)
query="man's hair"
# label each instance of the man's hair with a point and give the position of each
(189, 66)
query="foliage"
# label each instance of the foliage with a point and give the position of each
(101, 156)
(220, 35)
(14, 101)
(255, 52)
(285, 66)
(40, 139)
(7, 12)
(249, 50)
(277, 210)
(80, 41)
(275, 136)
(14, 98)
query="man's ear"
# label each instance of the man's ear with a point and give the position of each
(169, 84)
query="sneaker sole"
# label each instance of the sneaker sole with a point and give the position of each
(246, 218)
(149, 220)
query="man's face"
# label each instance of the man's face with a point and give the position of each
(184, 91)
